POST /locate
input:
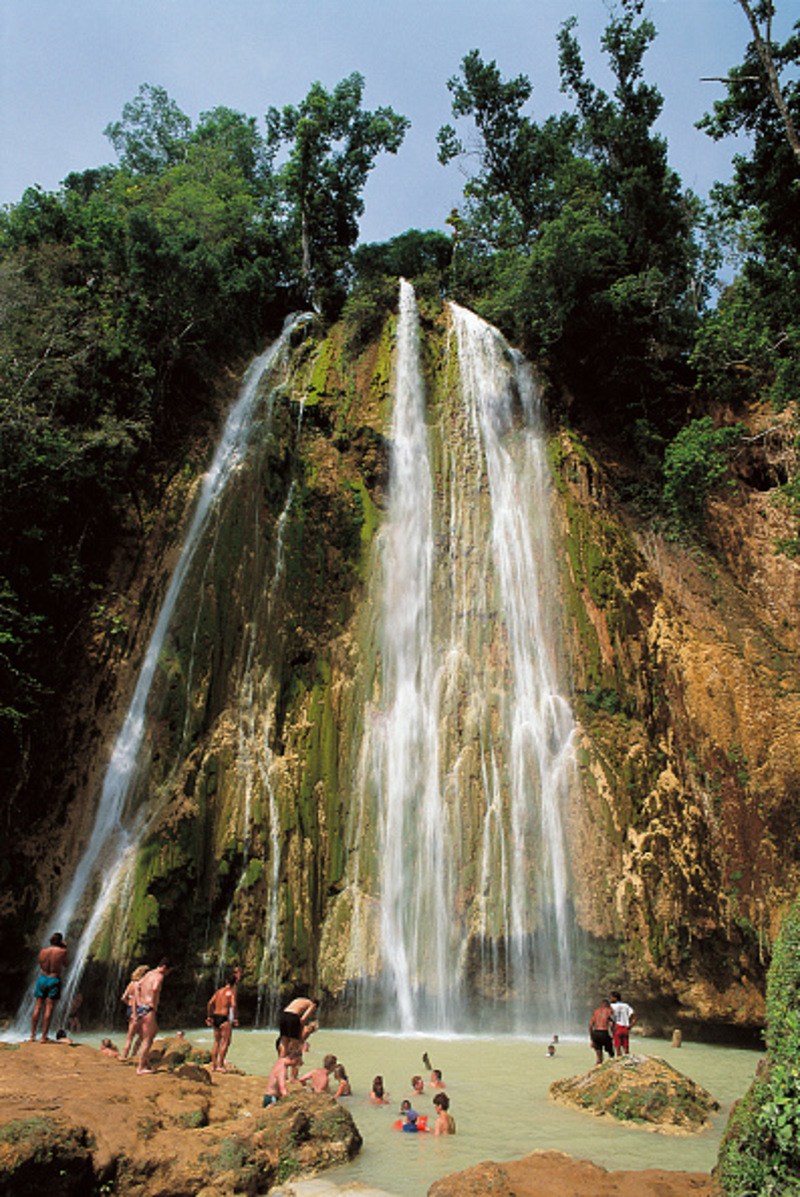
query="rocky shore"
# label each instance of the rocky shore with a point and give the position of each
(74, 1123)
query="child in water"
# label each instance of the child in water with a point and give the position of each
(319, 1077)
(340, 1076)
(445, 1122)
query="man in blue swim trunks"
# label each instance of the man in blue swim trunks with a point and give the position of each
(48, 987)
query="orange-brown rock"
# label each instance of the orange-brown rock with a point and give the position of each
(553, 1174)
(68, 1112)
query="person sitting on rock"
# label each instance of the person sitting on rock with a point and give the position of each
(276, 1081)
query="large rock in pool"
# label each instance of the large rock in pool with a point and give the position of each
(640, 1090)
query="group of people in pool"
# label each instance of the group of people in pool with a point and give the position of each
(296, 1023)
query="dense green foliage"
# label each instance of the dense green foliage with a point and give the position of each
(333, 145)
(122, 296)
(760, 1153)
(576, 238)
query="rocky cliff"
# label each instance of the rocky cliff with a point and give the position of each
(682, 667)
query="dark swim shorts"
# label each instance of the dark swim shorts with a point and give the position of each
(48, 987)
(602, 1039)
(289, 1025)
(219, 1020)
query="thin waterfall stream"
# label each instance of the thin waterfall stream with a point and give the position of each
(110, 852)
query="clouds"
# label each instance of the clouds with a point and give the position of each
(68, 68)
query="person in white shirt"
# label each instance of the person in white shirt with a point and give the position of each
(624, 1018)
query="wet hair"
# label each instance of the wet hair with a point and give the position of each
(61, 1034)
(107, 1043)
(57, 939)
(405, 1105)
(340, 1073)
(164, 962)
(442, 1101)
(416, 1080)
(437, 1072)
(231, 978)
(377, 1086)
(329, 1063)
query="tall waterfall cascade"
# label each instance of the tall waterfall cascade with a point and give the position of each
(373, 804)
(468, 753)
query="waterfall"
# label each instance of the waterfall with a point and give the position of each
(118, 826)
(414, 836)
(531, 859)
(467, 758)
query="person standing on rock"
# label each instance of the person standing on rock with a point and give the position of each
(147, 997)
(600, 1025)
(52, 961)
(294, 1027)
(221, 1013)
(624, 1019)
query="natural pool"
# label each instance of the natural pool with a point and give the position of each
(498, 1093)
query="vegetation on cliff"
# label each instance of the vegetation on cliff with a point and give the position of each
(761, 1150)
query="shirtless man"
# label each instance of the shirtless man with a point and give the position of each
(445, 1122)
(319, 1076)
(295, 1025)
(600, 1025)
(436, 1081)
(221, 1013)
(147, 996)
(52, 961)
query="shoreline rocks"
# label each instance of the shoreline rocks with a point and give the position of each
(72, 1119)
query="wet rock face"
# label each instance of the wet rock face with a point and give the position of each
(684, 830)
(641, 1090)
(684, 660)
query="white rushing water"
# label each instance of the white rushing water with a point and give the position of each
(530, 859)
(470, 724)
(110, 852)
(414, 835)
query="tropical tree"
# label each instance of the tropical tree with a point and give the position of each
(332, 146)
(153, 132)
(576, 237)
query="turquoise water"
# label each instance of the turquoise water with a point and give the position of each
(498, 1094)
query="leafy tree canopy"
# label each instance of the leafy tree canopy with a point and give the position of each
(332, 146)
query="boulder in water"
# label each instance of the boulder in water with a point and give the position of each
(643, 1090)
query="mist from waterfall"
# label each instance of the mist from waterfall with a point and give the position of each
(468, 749)
(106, 865)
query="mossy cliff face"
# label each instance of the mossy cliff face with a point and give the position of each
(684, 834)
(683, 826)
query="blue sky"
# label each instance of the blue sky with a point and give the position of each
(67, 69)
